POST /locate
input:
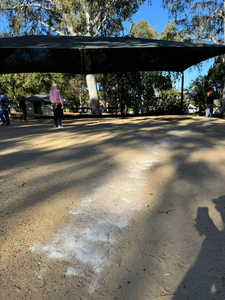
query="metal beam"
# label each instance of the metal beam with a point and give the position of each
(182, 93)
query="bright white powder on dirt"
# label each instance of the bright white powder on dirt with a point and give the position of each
(89, 242)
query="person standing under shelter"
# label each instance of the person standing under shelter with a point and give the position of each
(23, 108)
(209, 100)
(56, 99)
(4, 105)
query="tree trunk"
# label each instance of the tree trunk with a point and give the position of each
(136, 102)
(142, 104)
(222, 109)
(104, 100)
(93, 93)
(125, 109)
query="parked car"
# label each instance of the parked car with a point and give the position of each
(191, 109)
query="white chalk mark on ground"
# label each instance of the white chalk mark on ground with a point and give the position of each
(91, 242)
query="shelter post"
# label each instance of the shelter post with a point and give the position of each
(182, 93)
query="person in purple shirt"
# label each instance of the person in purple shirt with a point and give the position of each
(56, 99)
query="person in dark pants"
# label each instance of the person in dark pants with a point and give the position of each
(4, 106)
(209, 99)
(23, 108)
(56, 99)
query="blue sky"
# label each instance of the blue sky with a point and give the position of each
(157, 17)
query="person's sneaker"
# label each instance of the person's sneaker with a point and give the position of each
(60, 126)
(3, 124)
(55, 126)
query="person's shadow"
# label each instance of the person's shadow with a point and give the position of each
(206, 278)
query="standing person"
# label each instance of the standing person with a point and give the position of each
(56, 99)
(23, 108)
(4, 103)
(209, 99)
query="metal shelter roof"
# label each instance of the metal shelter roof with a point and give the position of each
(91, 55)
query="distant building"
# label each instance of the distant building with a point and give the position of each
(39, 104)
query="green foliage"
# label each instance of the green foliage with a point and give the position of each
(170, 33)
(200, 21)
(168, 101)
(202, 84)
(142, 29)
(119, 87)
(76, 91)
(215, 76)
(159, 93)
(72, 87)
(16, 85)
(197, 91)
(137, 91)
(68, 17)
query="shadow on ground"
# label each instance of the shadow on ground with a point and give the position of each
(178, 253)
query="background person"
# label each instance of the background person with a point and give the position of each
(56, 99)
(4, 105)
(209, 99)
(23, 108)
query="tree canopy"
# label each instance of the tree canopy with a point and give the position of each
(73, 87)
(202, 84)
(201, 21)
(142, 29)
(68, 17)
(142, 91)
(170, 33)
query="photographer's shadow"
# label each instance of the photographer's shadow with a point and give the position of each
(206, 278)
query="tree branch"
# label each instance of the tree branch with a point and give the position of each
(50, 27)
(21, 6)
(99, 26)
(213, 38)
(104, 9)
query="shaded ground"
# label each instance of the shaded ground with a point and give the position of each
(113, 208)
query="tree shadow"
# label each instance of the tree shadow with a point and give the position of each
(191, 180)
(86, 156)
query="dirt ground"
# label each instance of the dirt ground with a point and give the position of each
(113, 209)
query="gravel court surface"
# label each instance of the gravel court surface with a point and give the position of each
(113, 208)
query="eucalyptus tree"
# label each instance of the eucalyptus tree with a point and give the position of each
(142, 29)
(73, 87)
(22, 84)
(138, 88)
(121, 90)
(76, 93)
(156, 81)
(200, 21)
(196, 92)
(70, 17)
(198, 87)
(215, 76)
(170, 33)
